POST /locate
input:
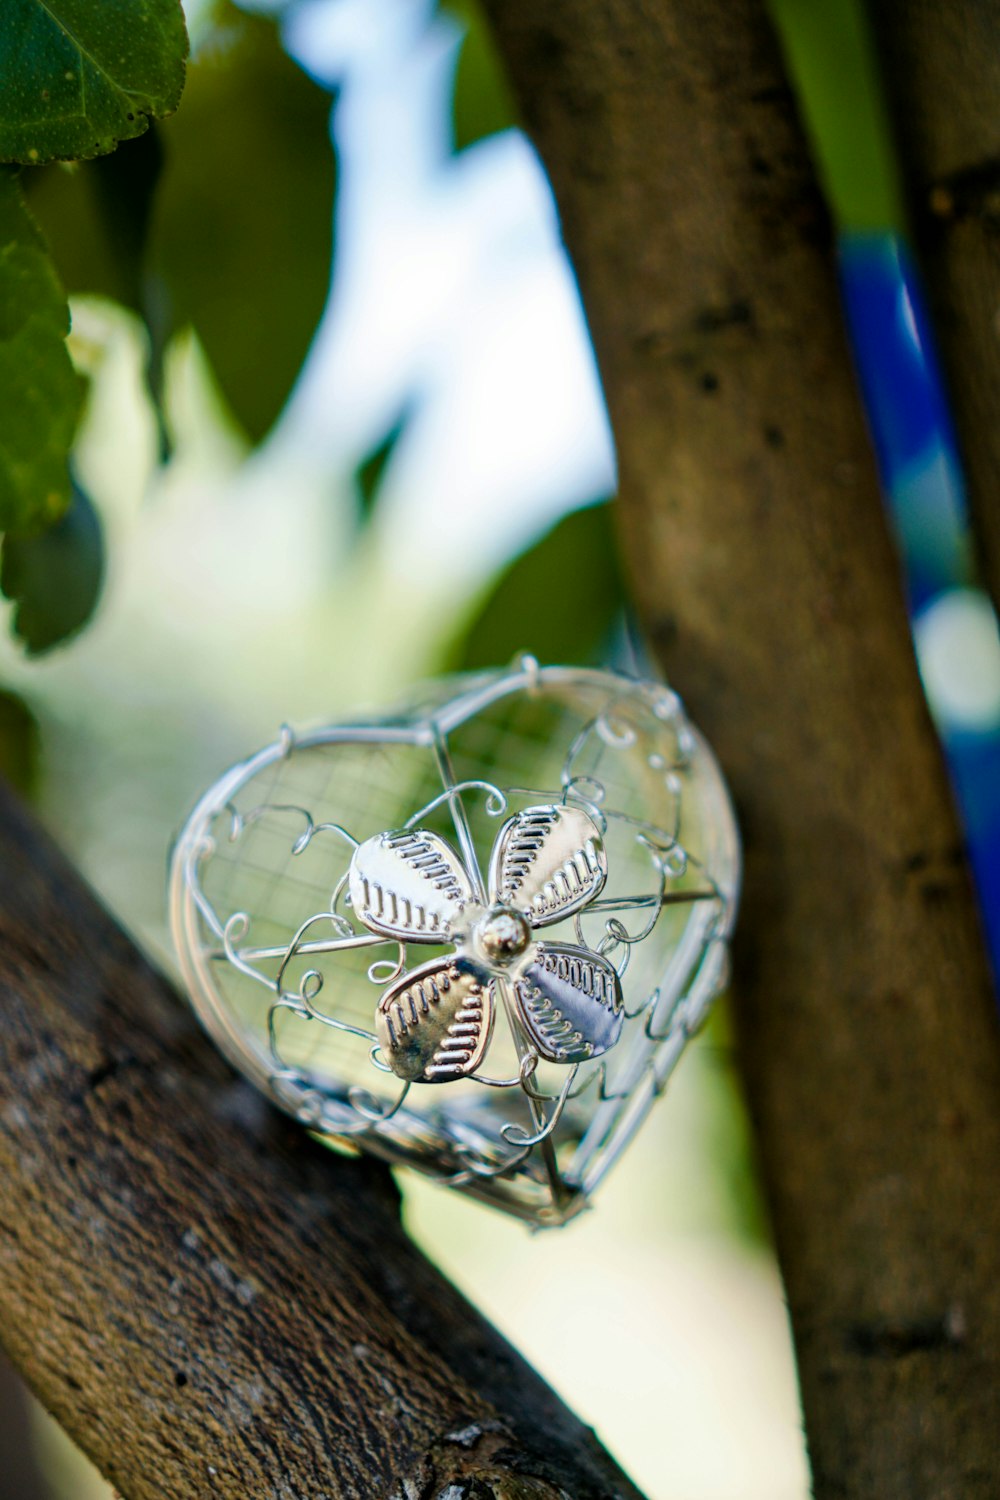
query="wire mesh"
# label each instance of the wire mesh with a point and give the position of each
(288, 977)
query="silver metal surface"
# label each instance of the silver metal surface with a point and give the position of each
(434, 1024)
(568, 977)
(570, 1002)
(409, 884)
(548, 862)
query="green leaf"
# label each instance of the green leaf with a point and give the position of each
(222, 218)
(242, 230)
(18, 742)
(55, 578)
(96, 216)
(78, 76)
(483, 102)
(559, 600)
(40, 392)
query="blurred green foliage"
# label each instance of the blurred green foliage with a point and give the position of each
(482, 102)
(223, 222)
(831, 56)
(18, 743)
(222, 219)
(560, 599)
(40, 393)
(242, 230)
(54, 578)
(78, 77)
(96, 218)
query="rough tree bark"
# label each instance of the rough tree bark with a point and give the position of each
(941, 65)
(207, 1302)
(751, 518)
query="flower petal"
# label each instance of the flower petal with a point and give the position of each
(434, 1024)
(409, 884)
(548, 862)
(570, 1003)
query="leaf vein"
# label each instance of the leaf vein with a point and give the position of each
(84, 53)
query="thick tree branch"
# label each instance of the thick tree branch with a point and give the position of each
(751, 517)
(941, 65)
(209, 1303)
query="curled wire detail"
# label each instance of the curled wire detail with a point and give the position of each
(536, 1130)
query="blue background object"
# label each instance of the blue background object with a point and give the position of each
(921, 477)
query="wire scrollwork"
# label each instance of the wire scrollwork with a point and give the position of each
(537, 1135)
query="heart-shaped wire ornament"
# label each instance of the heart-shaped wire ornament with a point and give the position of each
(472, 937)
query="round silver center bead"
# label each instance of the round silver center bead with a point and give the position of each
(503, 934)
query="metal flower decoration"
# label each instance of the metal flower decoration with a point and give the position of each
(542, 924)
(435, 1022)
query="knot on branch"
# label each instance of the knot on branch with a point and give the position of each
(969, 193)
(480, 1462)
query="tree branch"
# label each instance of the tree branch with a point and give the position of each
(207, 1301)
(941, 65)
(751, 517)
